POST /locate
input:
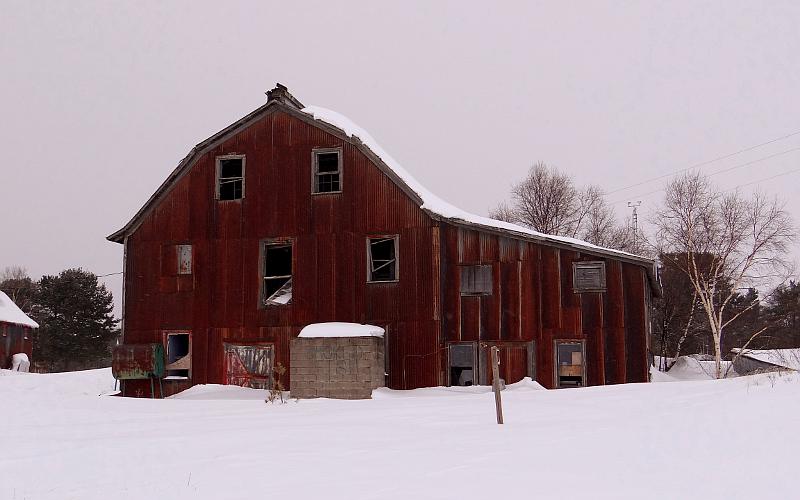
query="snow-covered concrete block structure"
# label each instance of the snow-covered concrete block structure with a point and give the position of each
(337, 360)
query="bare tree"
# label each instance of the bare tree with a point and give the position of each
(16, 283)
(723, 242)
(548, 201)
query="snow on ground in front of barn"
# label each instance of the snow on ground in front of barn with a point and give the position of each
(685, 439)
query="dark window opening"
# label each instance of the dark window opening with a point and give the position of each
(383, 259)
(476, 280)
(179, 359)
(569, 363)
(462, 364)
(327, 170)
(230, 184)
(589, 277)
(277, 274)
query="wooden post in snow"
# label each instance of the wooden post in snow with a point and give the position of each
(496, 383)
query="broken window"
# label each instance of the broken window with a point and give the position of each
(230, 178)
(179, 355)
(382, 256)
(462, 364)
(327, 171)
(184, 259)
(589, 277)
(476, 280)
(569, 364)
(277, 274)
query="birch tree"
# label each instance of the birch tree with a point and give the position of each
(724, 242)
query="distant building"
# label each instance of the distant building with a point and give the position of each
(766, 360)
(15, 331)
(293, 215)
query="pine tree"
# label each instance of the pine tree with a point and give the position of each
(76, 322)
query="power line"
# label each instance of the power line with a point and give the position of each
(109, 274)
(765, 179)
(741, 165)
(703, 163)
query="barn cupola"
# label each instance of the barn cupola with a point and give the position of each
(281, 94)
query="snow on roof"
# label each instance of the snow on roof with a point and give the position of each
(788, 358)
(317, 330)
(430, 201)
(10, 313)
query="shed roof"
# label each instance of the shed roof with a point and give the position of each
(785, 358)
(343, 127)
(10, 313)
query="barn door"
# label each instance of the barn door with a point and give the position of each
(248, 365)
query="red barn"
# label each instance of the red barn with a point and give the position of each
(293, 215)
(16, 330)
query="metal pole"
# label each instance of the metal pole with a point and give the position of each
(496, 383)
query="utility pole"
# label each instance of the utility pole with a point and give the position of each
(635, 220)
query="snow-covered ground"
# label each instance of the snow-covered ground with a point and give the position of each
(701, 439)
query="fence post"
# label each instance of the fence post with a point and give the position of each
(496, 383)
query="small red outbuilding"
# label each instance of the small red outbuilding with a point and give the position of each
(15, 331)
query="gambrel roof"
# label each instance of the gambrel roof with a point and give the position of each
(342, 127)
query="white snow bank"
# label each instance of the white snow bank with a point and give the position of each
(10, 313)
(430, 201)
(334, 329)
(80, 383)
(207, 392)
(690, 368)
(788, 358)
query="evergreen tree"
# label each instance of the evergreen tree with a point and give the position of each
(76, 322)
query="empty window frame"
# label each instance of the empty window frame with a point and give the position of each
(476, 280)
(277, 273)
(589, 276)
(230, 177)
(179, 355)
(570, 364)
(382, 259)
(462, 361)
(327, 165)
(184, 257)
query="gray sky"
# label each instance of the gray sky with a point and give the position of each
(100, 100)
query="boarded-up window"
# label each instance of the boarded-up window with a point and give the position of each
(277, 287)
(230, 178)
(589, 277)
(382, 255)
(249, 365)
(462, 362)
(184, 259)
(476, 280)
(327, 171)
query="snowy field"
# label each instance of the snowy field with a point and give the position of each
(690, 438)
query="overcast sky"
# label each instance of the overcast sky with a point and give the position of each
(100, 100)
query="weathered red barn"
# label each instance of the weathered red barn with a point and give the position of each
(293, 215)
(16, 330)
